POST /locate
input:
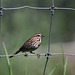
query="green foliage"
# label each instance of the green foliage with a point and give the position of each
(9, 65)
(62, 55)
(65, 66)
(51, 73)
(64, 62)
(26, 72)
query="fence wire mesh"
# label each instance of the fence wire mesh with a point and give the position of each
(52, 8)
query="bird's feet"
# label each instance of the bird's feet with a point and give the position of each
(38, 55)
(26, 54)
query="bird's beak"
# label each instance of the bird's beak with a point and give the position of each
(43, 36)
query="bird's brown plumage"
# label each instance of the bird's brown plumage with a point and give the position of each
(31, 44)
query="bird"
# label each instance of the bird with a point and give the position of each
(30, 45)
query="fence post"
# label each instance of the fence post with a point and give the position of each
(0, 13)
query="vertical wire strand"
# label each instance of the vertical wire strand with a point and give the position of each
(0, 14)
(52, 3)
(1, 4)
(50, 29)
(49, 44)
(0, 21)
(50, 33)
(45, 67)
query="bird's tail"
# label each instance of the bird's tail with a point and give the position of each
(14, 54)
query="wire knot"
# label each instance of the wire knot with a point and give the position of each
(48, 55)
(52, 10)
(1, 12)
(0, 56)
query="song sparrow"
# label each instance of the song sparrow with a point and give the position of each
(31, 44)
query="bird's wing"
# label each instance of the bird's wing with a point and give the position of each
(27, 44)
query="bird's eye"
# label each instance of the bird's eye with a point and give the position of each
(38, 35)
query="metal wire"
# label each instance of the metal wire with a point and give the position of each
(38, 8)
(48, 54)
(1, 4)
(59, 8)
(45, 65)
(68, 54)
(0, 14)
(50, 32)
(0, 23)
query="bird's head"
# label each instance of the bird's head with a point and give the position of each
(39, 35)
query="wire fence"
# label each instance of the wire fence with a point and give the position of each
(52, 54)
(52, 8)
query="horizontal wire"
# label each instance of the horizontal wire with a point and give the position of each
(26, 7)
(38, 8)
(59, 8)
(63, 54)
(40, 54)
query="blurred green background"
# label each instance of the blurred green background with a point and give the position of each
(19, 25)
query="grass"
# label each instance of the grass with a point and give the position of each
(65, 66)
(51, 73)
(64, 62)
(8, 61)
(26, 72)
